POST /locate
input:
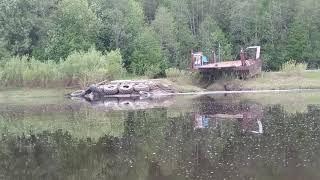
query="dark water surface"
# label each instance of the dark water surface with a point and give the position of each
(225, 137)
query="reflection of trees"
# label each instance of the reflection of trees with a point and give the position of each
(79, 121)
(290, 142)
(58, 155)
(156, 146)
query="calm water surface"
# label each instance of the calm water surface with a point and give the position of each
(265, 137)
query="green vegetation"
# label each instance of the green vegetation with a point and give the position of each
(273, 80)
(75, 29)
(291, 102)
(183, 81)
(212, 37)
(291, 68)
(78, 68)
(147, 58)
(23, 72)
(151, 36)
(89, 67)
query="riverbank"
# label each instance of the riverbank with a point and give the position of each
(270, 81)
(266, 81)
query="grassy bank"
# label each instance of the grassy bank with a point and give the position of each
(271, 80)
(267, 81)
(79, 69)
(83, 68)
(291, 76)
(182, 80)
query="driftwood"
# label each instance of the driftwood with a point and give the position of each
(227, 116)
(129, 81)
(102, 82)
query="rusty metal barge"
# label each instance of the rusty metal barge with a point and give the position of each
(249, 65)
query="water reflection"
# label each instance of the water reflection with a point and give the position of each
(126, 103)
(211, 139)
(249, 118)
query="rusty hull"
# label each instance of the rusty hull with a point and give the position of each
(252, 67)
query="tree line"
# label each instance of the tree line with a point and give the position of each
(153, 35)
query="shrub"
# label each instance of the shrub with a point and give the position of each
(114, 64)
(13, 70)
(79, 68)
(40, 73)
(174, 73)
(293, 68)
(147, 54)
(21, 71)
(153, 71)
(87, 67)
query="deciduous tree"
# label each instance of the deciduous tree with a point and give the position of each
(164, 25)
(147, 54)
(75, 29)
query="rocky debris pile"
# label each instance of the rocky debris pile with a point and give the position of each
(124, 88)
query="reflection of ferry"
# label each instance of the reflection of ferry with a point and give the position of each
(212, 121)
(249, 119)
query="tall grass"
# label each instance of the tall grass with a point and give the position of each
(40, 74)
(292, 68)
(13, 70)
(21, 71)
(88, 67)
(83, 67)
(80, 68)
(175, 74)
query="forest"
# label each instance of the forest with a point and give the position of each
(72, 39)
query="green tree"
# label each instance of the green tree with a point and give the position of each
(52, 29)
(121, 22)
(311, 18)
(298, 47)
(150, 8)
(269, 34)
(243, 24)
(75, 29)
(185, 37)
(4, 53)
(164, 25)
(147, 55)
(24, 24)
(212, 37)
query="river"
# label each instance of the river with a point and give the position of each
(267, 136)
